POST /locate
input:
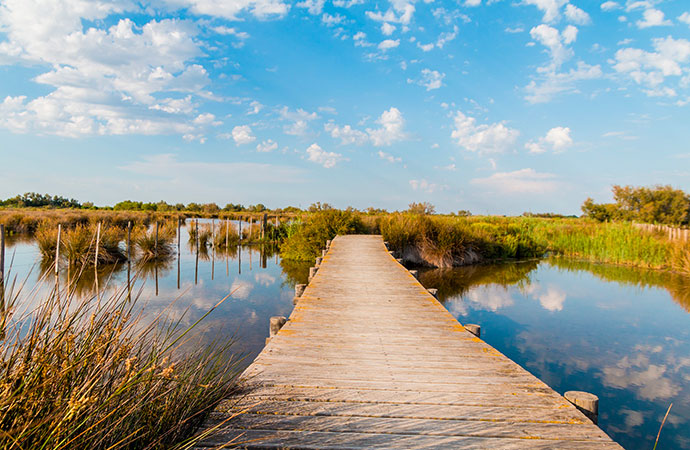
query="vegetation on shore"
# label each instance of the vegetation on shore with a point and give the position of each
(82, 373)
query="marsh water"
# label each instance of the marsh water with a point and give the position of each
(618, 332)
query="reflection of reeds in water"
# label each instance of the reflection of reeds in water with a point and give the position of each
(677, 284)
(92, 374)
(452, 282)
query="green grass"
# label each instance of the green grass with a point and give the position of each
(82, 373)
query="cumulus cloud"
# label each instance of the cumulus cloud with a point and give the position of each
(551, 83)
(483, 139)
(550, 8)
(425, 186)
(319, 156)
(242, 134)
(576, 15)
(555, 42)
(231, 10)
(670, 58)
(401, 11)
(610, 6)
(346, 134)
(388, 157)
(431, 79)
(120, 79)
(387, 29)
(266, 146)
(298, 121)
(523, 181)
(557, 140)
(685, 18)
(652, 18)
(388, 44)
(315, 7)
(391, 129)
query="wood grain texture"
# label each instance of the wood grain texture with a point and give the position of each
(369, 359)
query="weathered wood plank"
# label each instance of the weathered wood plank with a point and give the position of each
(369, 359)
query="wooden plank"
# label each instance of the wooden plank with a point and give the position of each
(369, 359)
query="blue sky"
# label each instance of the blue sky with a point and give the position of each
(496, 106)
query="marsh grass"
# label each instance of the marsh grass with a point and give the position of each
(88, 373)
(151, 247)
(222, 232)
(78, 244)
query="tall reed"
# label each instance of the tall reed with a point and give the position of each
(81, 373)
(151, 245)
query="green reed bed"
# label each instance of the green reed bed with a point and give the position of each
(90, 373)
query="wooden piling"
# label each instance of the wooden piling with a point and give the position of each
(227, 233)
(318, 261)
(155, 244)
(276, 324)
(178, 237)
(129, 240)
(587, 403)
(264, 224)
(433, 292)
(474, 329)
(312, 272)
(196, 264)
(251, 225)
(98, 238)
(414, 273)
(57, 250)
(2, 259)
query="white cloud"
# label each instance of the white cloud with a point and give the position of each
(242, 134)
(652, 18)
(523, 181)
(319, 156)
(431, 79)
(610, 6)
(388, 157)
(555, 41)
(557, 139)
(552, 83)
(650, 69)
(299, 119)
(255, 108)
(425, 186)
(483, 139)
(346, 134)
(123, 79)
(391, 130)
(388, 44)
(266, 146)
(332, 20)
(232, 10)
(347, 3)
(315, 7)
(387, 29)
(685, 18)
(473, 2)
(550, 8)
(576, 15)
(401, 11)
(206, 119)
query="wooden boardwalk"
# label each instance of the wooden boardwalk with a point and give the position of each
(370, 360)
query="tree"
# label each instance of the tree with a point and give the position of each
(658, 204)
(421, 208)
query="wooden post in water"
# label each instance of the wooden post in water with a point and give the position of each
(179, 253)
(196, 264)
(213, 248)
(57, 251)
(129, 259)
(264, 222)
(95, 261)
(251, 225)
(2, 261)
(227, 232)
(239, 228)
(155, 245)
(587, 403)
(474, 329)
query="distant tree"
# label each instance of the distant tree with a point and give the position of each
(210, 208)
(291, 209)
(371, 210)
(36, 200)
(193, 207)
(231, 207)
(658, 204)
(464, 213)
(318, 206)
(259, 207)
(421, 208)
(127, 205)
(179, 207)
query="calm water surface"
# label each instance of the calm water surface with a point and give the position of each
(263, 286)
(621, 333)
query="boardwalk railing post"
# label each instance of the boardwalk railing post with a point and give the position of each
(474, 329)
(328, 244)
(318, 261)
(275, 324)
(414, 273)
(312, 272)
(433, 292)
(587, 403)
(299, 289)
(323, 253)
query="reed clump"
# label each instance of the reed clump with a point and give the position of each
(305, 239)
(152, 244)
(81, 373)
(226, 236)
(78, 245)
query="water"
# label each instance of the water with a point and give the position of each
(620, 333)
(262, 286)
